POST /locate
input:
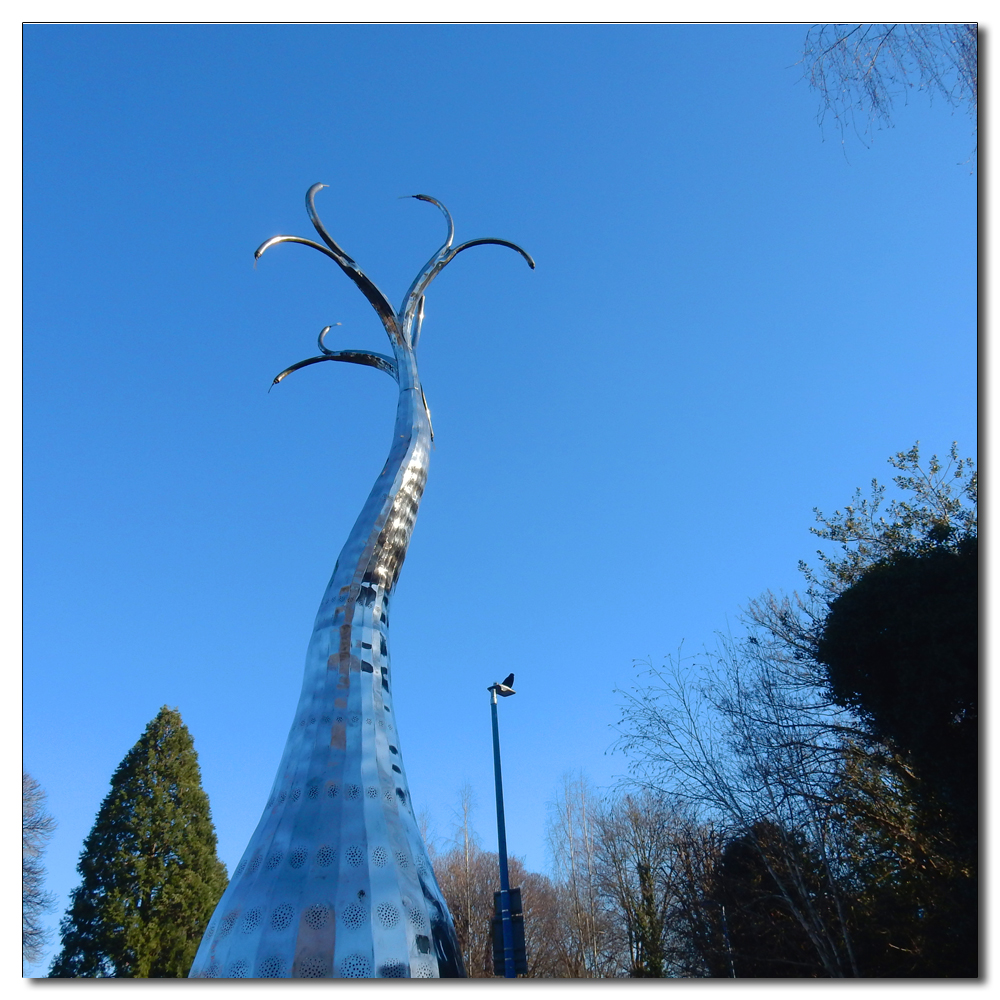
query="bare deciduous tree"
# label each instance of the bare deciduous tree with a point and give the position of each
(862, 70)
(468, 877)
(592, 944)
(736, 739)
(833, 860)
(633, 873)
(36, 831)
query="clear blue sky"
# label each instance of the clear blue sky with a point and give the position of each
(734, 319)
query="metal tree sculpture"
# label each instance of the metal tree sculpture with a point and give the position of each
(336, 881)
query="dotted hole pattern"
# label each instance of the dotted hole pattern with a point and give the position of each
(355, 967)
(388, 915)
(354, 915)
(393, 969)
(312, 968)
(271, 968)
(315, 916)
(282, 916)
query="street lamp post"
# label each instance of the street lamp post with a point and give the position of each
(505, 691)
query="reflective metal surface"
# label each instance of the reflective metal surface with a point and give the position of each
(335, 881)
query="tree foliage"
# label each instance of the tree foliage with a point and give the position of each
(633, 865)
(765, 937)
(834, 747)
(150, 875)
(741, 738)
(468, 876)
(862, 71)
(901, 649)
(37, 827)
(803, 798)
(938, 509)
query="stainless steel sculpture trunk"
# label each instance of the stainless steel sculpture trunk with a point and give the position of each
(336, 881)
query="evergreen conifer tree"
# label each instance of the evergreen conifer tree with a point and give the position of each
(150, 873)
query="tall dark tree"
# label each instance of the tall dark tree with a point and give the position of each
(150, 872)
(849, 794)
(901, 649)
(36, 830)
(756, 910)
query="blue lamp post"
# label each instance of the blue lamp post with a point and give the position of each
(504, 689)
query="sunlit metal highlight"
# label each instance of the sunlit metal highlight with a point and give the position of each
(336, 881)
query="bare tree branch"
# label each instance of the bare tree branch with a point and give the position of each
(37, 827)
(862, 71)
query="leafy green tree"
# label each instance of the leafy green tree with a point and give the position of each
(940, 509)
(150, 873)
(904, 895)
(889, 630)
(901, 649)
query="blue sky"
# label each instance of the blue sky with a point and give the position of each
(734, 319)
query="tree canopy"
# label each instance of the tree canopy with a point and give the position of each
(901, 648)
(834, 747)
(150, 874)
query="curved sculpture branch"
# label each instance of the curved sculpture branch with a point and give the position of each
(321, 229)
(274, 240)
(369, 358)
(414, 294)
(320, 340)
(451, 222)
(437, 264)
(489, 239)
(368, 288)
(418, 323)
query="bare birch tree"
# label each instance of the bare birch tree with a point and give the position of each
(862, 71)
(37, 827)
(592, 945)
